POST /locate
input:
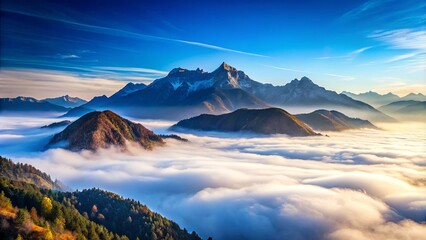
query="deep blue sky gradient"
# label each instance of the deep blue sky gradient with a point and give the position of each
(343, 45)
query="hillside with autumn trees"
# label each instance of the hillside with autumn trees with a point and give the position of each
(29, 211)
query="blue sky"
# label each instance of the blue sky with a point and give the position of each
(87, 48)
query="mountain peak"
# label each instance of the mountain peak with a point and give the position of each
(305, 79)
(226, 67)
(103, 129)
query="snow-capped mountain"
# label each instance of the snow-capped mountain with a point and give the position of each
(227, 89)
(66, 101)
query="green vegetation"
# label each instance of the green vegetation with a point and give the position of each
(30, 211)
(27, 173)
(124, 216)
(27, 212)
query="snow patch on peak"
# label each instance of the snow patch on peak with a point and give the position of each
(198, 85)
(175, 83)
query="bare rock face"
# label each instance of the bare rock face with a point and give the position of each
(103, 129)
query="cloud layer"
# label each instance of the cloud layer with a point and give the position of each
(363, 184)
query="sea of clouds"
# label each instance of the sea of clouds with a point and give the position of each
(360, 184)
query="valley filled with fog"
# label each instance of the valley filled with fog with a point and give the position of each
(356, 184)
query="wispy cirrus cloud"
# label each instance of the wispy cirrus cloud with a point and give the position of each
(133, 69)
(349, 56)
(342, 77)
(124, 33)
(366, 7)
(402, 57)
(412, 39)
(67, 56)
(285, 69)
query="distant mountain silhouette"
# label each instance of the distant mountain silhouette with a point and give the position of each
(395, 106)
(58, 124)
(324, 120)
(126, 90)
(418, 108)
(66, 101)
(263, 121)
(28, 104)
(96, 102)
(416, 97)
(378, 100)
(406, 110)
(103, 129)
(77, 112)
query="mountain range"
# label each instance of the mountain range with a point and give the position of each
(104, 129)
(263, 121)
(28, 104)
(184, 93)
(324, 120)
(377, 100)
(406, 110)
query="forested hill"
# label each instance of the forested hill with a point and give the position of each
(124, 216)
(31, 211)
(28, 174)
(28, 212)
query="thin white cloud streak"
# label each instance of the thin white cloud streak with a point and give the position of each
(402, 38)
(343, 77)
(407, 39)
(218, 48)
(285, 69)
(124, 33)
(350, 56)
(402, 57)
(362, 9)
(133, 69)
(228, 187)
(68, 56)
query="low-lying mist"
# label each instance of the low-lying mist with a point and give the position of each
(363, 184)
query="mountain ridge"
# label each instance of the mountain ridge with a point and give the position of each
(179, 87)
(262, 121)
(324, 120)
(28, 104)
